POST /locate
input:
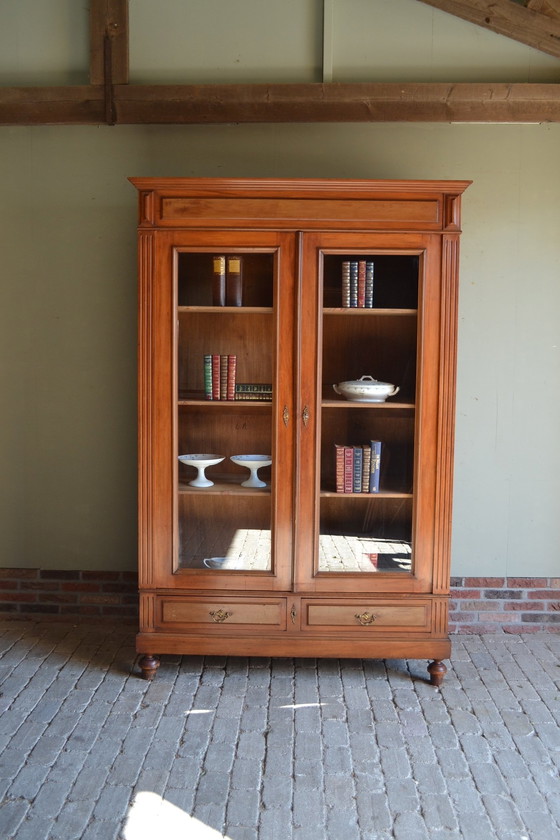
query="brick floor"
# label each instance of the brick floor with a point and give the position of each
(259, 749)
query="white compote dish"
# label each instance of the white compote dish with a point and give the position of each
(253, 463)
(201, 462)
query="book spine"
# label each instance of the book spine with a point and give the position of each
(234, 282)
(231, 372)
(261, 396)
(366, 467)
(375, 466)
(346, 283)
(357, 477)
(361, 283)
(348, 469)
(369, 284)
(253, 387)
(339, 467)
(215, 377)
(353, 283)
(219, 281)
(261, 391)
(208, 376)
(223, 376)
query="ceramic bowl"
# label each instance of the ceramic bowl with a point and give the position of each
(366, 389)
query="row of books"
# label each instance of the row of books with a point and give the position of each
(357, 284)
(219, 376)
(357, 467)
(227, 280)
(220, 372)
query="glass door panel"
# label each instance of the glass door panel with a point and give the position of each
(369, 330)
(226, 442)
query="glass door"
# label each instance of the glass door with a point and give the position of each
(233, 450)
(365, 349)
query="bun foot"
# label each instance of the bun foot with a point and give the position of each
(148, 666)
(437, 672)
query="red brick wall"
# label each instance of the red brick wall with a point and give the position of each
(478, 605)
(511, 605)
(68, 594)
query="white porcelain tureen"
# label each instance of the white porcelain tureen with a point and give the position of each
(366, 389)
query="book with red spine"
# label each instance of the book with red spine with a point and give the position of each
(231, 373)
(366, 467)
(361, 301)
(215, 377)
(339, 467)
(223, 376)
(348, 469)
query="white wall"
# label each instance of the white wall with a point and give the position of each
(68, 311)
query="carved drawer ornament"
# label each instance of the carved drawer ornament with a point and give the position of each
(220, 615)
(365, 618)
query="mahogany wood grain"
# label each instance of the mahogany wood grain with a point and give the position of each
(239, 571)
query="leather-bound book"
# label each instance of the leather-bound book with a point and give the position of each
(219, 281)
(234, 281)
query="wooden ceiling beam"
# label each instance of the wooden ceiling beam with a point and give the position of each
(67, 105)
(108, 34)
(508, 18)
(283, 103)
(546, 7)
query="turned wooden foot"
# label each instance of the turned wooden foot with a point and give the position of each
(437, 672)
(149, 665)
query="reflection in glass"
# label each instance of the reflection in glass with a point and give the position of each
(367, 448)
(226, 527)
(225, 523)
(247, 550)
(346, 553)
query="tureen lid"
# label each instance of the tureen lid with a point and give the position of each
(365, 380)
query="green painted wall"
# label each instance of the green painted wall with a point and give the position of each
(68, 294)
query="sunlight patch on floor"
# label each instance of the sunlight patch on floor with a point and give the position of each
(151, 816)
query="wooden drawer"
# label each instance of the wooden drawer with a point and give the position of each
(369, 616)
(234, 613)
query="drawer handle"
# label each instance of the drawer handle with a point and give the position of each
(286, 416)
(220, 615)
(365, 618)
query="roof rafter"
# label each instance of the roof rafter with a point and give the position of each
(532, 24)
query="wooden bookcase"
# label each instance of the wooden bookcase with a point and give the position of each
(296, 568)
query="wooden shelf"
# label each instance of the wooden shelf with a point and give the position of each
(213, 405)
(385, 406)
(383, 494)
(228, 310)
(225, 487)
(361, 310)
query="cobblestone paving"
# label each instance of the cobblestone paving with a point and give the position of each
(275, 749)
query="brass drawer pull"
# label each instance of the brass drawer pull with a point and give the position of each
(365, 618)
(305, 415)
(286, 416)
(220, 615)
